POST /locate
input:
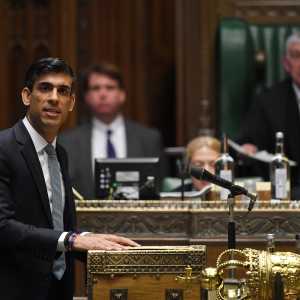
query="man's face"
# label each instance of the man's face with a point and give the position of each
(49, 102)
(204, 157)
(292, 62)
(104, 97)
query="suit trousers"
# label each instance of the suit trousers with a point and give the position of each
(57, 289)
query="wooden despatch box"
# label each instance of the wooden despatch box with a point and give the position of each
(145, 273)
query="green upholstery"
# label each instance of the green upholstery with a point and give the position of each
(171, 183)
(240, 76)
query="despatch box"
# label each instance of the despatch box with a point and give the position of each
(146, 273)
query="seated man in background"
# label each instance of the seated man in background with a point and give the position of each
(202, 152)
(108, 134)
(278, 110)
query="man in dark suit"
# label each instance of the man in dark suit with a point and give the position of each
(108, 133)
(38, 236)
(278, 110)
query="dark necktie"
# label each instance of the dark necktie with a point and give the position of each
(110, 149)
(59, 265)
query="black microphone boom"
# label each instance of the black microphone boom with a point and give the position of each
(203, 174)
(235, 190)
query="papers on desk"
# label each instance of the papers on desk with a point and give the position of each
(187, 194)
(263, 156)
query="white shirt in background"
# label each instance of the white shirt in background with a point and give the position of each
(99, 138)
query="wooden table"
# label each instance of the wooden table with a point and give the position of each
(174, 222)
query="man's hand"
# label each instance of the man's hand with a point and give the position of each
(92, 241)
(249, 148)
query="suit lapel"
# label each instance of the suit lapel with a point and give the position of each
(30, 156)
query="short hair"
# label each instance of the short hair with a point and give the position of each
(293, 38)
(202, 142)
(106, 69)
(45, 66)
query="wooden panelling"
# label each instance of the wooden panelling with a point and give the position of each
(114, 31)
(166, 50)
(194, 56)
(138, 36)
(30, 30)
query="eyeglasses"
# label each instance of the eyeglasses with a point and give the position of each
(47, 88)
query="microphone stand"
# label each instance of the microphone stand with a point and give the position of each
(231, 242)
(234, 191)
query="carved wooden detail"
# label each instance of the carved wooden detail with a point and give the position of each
(262, 11)
(267, 11)
(136, 224)
(191, 224)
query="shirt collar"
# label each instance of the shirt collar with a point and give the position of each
(114, 125)
(38, 141)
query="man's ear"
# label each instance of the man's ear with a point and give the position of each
(72, 102)
(26, 96)
(286, 64)
(122, 96)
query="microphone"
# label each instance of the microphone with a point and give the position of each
(235, 190)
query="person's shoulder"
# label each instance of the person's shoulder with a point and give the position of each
(7, 134)
(282, 87)
(76, 132)
(141, 129)
(8, 141)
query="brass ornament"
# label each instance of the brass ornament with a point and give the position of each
(259, 270)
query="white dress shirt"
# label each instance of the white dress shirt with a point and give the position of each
(39, 144)
(99, 138)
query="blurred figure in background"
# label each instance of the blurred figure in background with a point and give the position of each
(277, 109)
(108, 134)
(202, 152)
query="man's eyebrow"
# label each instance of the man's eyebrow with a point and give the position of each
(59, 85)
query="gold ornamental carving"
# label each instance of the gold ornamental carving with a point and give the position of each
(258, 269)
(155, 260)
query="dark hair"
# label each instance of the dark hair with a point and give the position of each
(45, 66)
(104, 68)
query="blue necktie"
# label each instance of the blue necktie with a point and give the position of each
(110, 149)
(59, 265)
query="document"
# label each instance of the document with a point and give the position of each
(263, 155)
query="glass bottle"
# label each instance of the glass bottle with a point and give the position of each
(224, 167)
(280, 172)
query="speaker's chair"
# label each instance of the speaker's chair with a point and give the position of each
(249, 60)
